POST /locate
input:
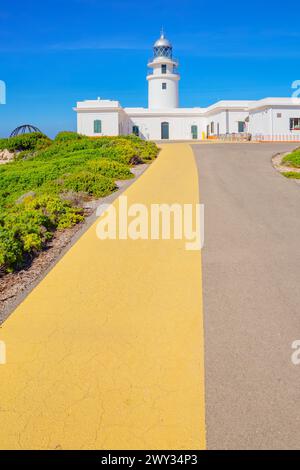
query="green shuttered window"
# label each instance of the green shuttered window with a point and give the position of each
(97, 126)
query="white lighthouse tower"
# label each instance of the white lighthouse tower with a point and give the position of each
(163, 77)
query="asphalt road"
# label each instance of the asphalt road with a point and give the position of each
(251, 288)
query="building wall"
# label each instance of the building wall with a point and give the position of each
(225, 121)
(219, 123)
(179, 126)
(159, 98)
(109, 120)
(117, 121)
(269, 123)
(260, 122)
(124, 123)
(281, 125)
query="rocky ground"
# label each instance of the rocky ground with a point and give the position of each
(6, 156)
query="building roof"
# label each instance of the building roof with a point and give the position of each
(162, 42)
(165, 112)
(233, 105)
(270, 102)
(226, 104)
(94, 105)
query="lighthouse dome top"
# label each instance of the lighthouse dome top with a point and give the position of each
(162, 47)
(162, 42)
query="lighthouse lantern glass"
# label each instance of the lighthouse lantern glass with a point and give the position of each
(163, 51)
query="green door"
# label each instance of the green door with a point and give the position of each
(135, 130)
(164, 130)
(241, 126)
(194, 130)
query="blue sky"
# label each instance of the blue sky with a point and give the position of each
(56, 52)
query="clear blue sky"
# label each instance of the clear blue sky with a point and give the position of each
(56, 52)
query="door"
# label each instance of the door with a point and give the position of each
(194, 130)
(241, 126)
(164, 130)
(135, 130)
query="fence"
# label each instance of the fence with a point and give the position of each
(276, 137)
(234, 137)
(245, 137)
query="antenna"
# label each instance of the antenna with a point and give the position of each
(162, 34)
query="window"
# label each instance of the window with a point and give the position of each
(164, 86)
(212, 127)
(295, 124)
(279, 115)
(241, 126)
(163, 68)
(97, 126)
(135, 130)
(194, 131)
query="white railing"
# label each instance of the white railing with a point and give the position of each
(234, 137)
(276, 137)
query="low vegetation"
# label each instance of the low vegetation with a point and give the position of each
(34, 141)
(292, 159)
(26, 228)
(39, 190)
(291, 174)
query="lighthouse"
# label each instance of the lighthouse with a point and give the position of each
(163, 119)
(163, 77)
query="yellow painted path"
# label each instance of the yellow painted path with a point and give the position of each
(107, 351)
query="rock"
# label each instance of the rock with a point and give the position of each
(6, 155)
(29, 195)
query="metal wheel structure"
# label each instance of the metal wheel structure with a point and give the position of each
(24, 129)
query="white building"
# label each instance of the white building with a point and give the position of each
(267, 119)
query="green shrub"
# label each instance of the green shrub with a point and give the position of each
(11, 252)
(32, 241)
(291, 174)
(3, 144)
(27, 227)
(55, 172)
(292, 159)
(91, 183)
(109, 168)
(68, 219)
(129, 149)
(24, 155)
(30, 141)
(146, 149)
(65, 136)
